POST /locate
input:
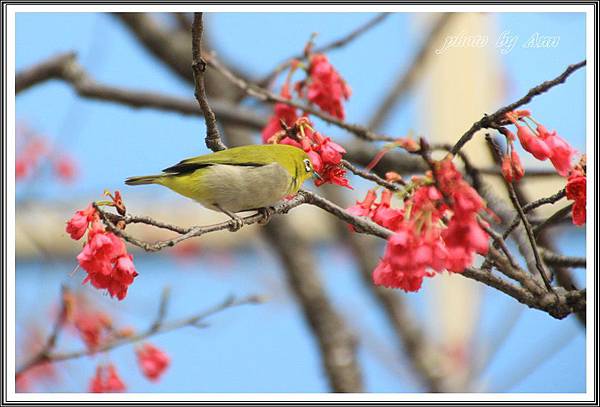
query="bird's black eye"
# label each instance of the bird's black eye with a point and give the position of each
(307, 165)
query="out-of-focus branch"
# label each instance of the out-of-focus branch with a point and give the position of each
(337, 344)
(156, 328)
(66, 68)
(420, 353)
(406, 79)
(555, 259)
(493, 120)
(171, 47)
(338, 43)
(553, 219)
(44, 355)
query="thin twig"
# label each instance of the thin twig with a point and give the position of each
(515, 201)
(213, 136)
(531, 206)
(497, 238)
(393, 186)
(556, 217)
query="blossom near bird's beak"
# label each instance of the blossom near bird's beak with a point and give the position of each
(317, 176)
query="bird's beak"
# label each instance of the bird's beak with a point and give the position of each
(317, 176)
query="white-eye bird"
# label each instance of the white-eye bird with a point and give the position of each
(238, 179)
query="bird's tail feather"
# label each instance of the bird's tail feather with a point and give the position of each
(143, 180)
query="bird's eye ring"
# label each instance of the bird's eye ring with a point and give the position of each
(307, 165)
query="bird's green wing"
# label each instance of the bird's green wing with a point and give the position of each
(244, 156)
(251, 155)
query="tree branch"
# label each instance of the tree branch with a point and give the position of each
(154, 329)
(563, 261)
(517, 205)
(66, 68)
(420, 352)
(213, 136)
(265, 95)
(44, 355)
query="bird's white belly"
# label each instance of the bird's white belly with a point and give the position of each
(241, 188)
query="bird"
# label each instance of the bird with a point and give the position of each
(238, 179)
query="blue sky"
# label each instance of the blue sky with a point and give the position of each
(268, 347)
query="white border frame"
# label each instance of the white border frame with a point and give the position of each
(295, 397)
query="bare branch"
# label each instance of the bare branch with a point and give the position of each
(563, 261)
(531, 206)
(154, 329)
(185, 233)
(213, 136)
(66, 68)
(515, 201)
(162, 308)
(491, 120)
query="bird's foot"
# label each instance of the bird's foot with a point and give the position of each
(236, 224)
(236, 221)
(267, 213)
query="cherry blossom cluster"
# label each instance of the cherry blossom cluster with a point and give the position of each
(32, 148)
(152, 361)
(104, 256)
(325, 88)
(96, 328)
(436, 229)
(544, 145)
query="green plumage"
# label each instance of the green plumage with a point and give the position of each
(237, 179)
